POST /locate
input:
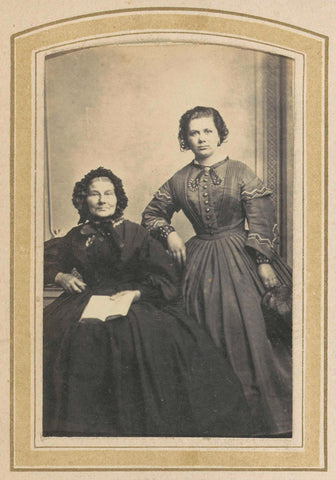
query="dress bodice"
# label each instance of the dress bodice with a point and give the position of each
(215, 198)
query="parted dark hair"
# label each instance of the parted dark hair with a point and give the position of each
(80, 193)
(200, 112)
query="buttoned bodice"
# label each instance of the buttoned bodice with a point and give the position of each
(214, 199)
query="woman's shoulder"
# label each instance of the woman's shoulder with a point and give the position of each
(64, 241)
(240, 170)
(238, 165)
(182, 172)
(132, 229)
(74, 231)
(129, 225)
(85, 229)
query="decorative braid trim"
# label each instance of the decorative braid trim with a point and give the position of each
(159, 194)
(260, 239)
(272, 244)
(256, 193)
(156, 224)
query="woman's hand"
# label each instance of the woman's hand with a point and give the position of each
(70, 283)
(267, 275)
(176, 248)
(137, 295)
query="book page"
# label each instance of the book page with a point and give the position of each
(105, 307)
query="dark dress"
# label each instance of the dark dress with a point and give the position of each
(222, 288)
(151, 373)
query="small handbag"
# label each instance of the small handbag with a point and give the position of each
(277, 308)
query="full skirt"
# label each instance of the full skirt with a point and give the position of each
(151, 373)
(223, 292)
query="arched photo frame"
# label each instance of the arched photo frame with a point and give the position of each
(33, 52)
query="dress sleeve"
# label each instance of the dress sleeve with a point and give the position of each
(160, 280)
(56, 257)
(263, 230)
(157, 215)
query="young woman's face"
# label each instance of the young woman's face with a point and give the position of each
(101, 198)
(203, 137)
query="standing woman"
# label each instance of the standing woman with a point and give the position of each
(227, 268)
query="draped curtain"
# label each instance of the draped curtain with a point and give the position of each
(275, 139)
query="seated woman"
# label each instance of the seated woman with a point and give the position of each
(152, 372)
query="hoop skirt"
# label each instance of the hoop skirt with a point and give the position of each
(222, 289)
(151, 373)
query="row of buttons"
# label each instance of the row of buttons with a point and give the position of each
(207, 210)
(205, 194)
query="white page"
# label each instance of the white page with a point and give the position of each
(103, 306)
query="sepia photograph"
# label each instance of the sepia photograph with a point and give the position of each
(205, 346)
(170, 172)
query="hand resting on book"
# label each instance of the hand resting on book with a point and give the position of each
(124, 293)
(104, 307)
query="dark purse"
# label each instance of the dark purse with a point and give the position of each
(277, 308)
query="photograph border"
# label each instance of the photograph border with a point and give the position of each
(313, 454)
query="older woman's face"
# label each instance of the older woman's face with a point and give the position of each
(203, 137)
(101, 198)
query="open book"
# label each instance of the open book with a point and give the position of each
(105, 308)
